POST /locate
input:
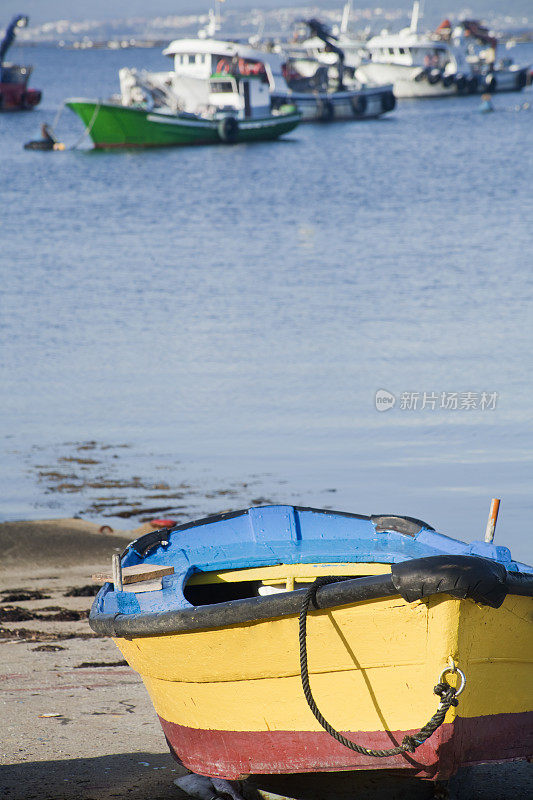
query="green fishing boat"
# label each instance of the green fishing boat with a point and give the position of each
(238, 110)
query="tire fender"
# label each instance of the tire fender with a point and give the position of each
(461, 83)
(359, 105)
(388, 101)
(325, 110)
(228, 130)
(491, 82)
(521, 79)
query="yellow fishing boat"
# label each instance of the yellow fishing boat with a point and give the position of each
(291, 640)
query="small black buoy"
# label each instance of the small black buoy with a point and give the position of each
(48, 142)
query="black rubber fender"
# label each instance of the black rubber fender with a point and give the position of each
(461, 83)
(491, 82)
(228, 130)
(325, 110)
(359, 105)
(447, 81)
(388, 101)
(472, 84)
(481, 579)
(434, 76)
(521, 79)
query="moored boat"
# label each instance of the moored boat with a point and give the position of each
(196, 59)
(323, 84)
(15, 94)
(238, 110)
(237, 622)
(450, 61)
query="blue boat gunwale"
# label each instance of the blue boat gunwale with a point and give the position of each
(422, 561)
(484, 579)
(143, 544)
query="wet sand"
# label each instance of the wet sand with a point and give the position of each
(77, 723)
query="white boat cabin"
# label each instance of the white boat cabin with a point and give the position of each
(410, 50)
(247, 96)
(201, 58)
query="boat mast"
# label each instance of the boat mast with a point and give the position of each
(417, 12)
(346, 11)
(217, 13)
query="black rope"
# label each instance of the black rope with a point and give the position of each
(409, 743)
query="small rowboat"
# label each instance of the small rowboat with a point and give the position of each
(271, 638)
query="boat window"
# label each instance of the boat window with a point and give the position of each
(391, 51)
(401, 51)
(222, 87)
(192, 59)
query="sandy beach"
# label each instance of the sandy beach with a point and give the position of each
(77, 722)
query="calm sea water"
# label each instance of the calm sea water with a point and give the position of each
(229, 313)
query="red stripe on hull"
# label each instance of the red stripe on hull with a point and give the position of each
(235, 754)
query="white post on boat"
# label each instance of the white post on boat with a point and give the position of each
(493, 516)
(415, 14)
(217, 14)
(346, 11)
(116, 571)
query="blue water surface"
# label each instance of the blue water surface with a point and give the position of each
(230, 312)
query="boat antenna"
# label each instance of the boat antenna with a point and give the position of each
(217, 13)
(493, 517)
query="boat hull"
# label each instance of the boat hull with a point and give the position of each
(231, 704)
(341, 106)
(114, 126)
(413, 82)
(236, 755)
(16, 97)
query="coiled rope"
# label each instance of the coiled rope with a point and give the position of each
(447, 693)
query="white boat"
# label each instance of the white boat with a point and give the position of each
(308, 52)
(449, 61)
(196, 60)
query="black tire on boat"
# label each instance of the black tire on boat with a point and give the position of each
(461, 83)
(324, 110)
(228, 130)
(472, 84)
(447, 81)
(388, 101)
(359, 105)
(521, 79)
(491, 82)
(420, 75)
(434, 76)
